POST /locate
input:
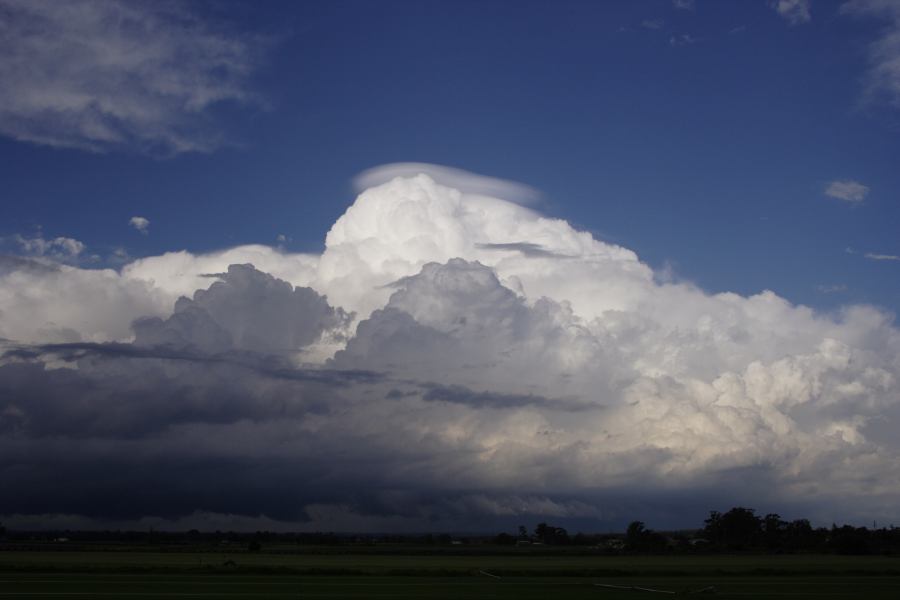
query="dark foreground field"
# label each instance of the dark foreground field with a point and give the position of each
(525, 575)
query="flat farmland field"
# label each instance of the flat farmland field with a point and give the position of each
(345, 574)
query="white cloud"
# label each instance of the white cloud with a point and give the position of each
(60, 303)
(502, 363)
(882, 80)
(140, 223)
(794, 12)
(872, 256)
(684, 4)
(652, 24)
(392, 230)
(100, 75)
(847, 190)
(181, 273)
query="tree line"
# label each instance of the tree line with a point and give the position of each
(737, 530)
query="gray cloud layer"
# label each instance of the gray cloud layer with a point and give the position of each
(244, 310)
(437, 367)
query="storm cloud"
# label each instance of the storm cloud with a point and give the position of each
(436, 367)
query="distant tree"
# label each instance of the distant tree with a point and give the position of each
(712, 527)
(560, 536)
(504, 539)
(737, 529)
(774, 530)
(799, 535)
(581, 539)
(634, 535)
(523, 532)
(850, 540)
(772, 524)
(548, 534)
(640, 539)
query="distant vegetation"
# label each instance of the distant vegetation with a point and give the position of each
(739, 530)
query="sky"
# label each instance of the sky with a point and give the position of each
(448, 266)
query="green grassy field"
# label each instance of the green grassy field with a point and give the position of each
(138, 574)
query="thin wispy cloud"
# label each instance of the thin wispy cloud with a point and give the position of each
(653, 24)
(847, 190)
(684, 4)
(795, 12)
(874, 256)
(103, 75)
(882, 79)
(684, 39)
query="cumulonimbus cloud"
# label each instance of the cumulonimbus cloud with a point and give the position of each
(100, 75)
(449, 358)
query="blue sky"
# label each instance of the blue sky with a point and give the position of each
(197, 291)
(710, 155)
